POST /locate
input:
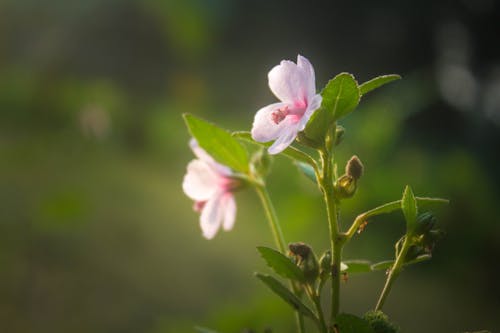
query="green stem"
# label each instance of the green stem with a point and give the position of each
(394, 272)
(279, 239)
(336, 239)
(317, 303)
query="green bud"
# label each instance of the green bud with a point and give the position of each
(425, 222)
(339, 134)
(354, 168)
(345, 187)
(380, 322)
(305, 260)
(261, 162)
(325, 265)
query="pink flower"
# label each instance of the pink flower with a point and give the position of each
(211, 186)
(293, 84)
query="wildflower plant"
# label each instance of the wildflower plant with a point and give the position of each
(306, 119)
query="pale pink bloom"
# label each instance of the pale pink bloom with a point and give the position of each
(211, 186)
(293, 84)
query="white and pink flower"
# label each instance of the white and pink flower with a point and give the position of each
(293, 84)
(211, 186)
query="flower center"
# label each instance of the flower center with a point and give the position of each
(280, 114)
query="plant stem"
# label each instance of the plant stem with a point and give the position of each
(394, 272)
(315, 297)
(279, 239)
(336, 239)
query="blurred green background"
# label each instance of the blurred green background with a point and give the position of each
(95, 232)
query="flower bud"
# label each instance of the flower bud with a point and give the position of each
(354, 168)
(380, 322)
(345, 187)
(425, 222)
(305, 260)
(339, 134)
(325, 265)
(261, 162)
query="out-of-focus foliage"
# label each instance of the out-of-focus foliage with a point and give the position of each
(95, 233)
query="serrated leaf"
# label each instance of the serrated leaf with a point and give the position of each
(409, 207)
(308, 171)
(200, 329)
(358, 266)
(348, 323)
(340, 97)
(218, 143)
(290, 152)
(281, 264)
(377, 82)
(286, 295)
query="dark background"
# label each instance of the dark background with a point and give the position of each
(95, 232)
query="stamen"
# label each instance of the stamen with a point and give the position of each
(280, 114)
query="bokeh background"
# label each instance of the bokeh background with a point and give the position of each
(95, 232)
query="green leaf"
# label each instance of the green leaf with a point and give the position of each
(348, 323)
(395, 205)
(377, 82)
(285, 294)
(382, 266)
(340, 97)
(307, 170)
(200, 329)
(385, 265)
(409, 207)
(281, 264)
(218, 143)
(290, 152)
(358, 266)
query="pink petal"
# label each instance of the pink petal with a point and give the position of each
(286, 138)
(211, 216)
(204, 156)
(308, 73)
(314, 104)
(229, 211)
(200, 181)
(264, 129)
(288, 83)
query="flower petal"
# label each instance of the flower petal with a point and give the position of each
(200, 181)
(264, 129)
(204, 156)
(288, 82)
(308, 74)
(211, 216)
(286, 138)
(229, 211)
(314, 104)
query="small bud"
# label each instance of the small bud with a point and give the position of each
(305, 260)
(345, 186)
(380, 322)
(425, 222)
(325, 264)
(354, 168)
(339, 134)
(261, 162)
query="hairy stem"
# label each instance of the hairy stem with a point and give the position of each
(279, 239)
(336, 239)
(394, 272)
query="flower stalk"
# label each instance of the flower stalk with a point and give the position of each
(336, 239)
(279, 239)
(394, 272)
